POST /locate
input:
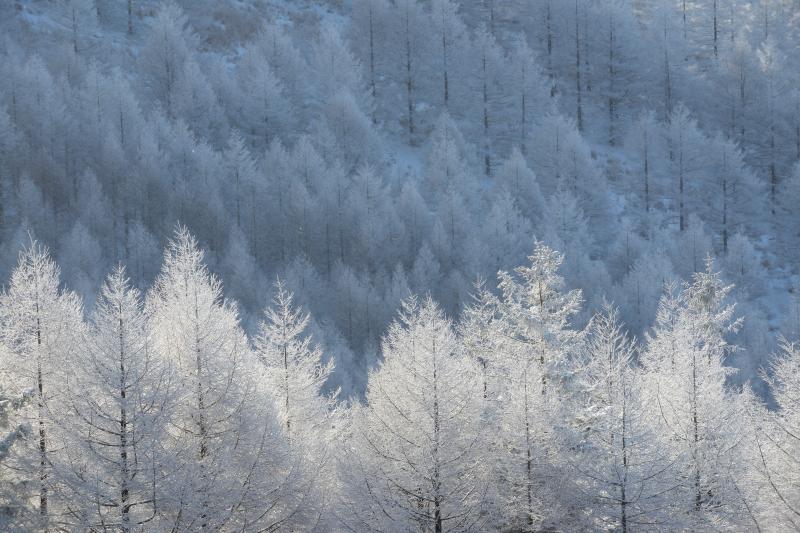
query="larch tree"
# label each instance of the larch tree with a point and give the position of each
(164, 54)
(122, 393)
(508, 231)
(771, 133)
(614, 60)
(242, 172)
(624, 472)
(13, 500)
(645, 140)
(562, 159)
(294, 367)
(296, 373)
(263, 108)
(534, 313)
(478, 330)
(41, 325)
(370, 21)
(683, 141)
(409, 33)
(223, 434)
(775, 443)
(490, 63)
(80, 21)
(733, 194)
(449, 39)
(418, 439)
(337, 69)
(521, 182)
(698, 418)
(528, 94)
(274, 44)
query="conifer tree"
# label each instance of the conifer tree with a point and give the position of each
(41, 327)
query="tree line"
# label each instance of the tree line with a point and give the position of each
(158, 412)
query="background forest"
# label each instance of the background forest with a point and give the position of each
(631, 168)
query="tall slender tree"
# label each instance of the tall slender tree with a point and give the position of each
(41, 325)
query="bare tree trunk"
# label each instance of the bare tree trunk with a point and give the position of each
(646, 173)
(550, 48)
(579, 104)
(286, 382)
(123, 432)
(716, 32)
(773, 172)
(667, 84)
(409, 83)
(130, 17)
(372, 59)
(725, 202)
(524, 125)
(528, 458)
(612, 111)
(74, 17)
(43, 474)
(437, 483)
(624, 485)
(682, 216)
(444, 63)
(202, 428)
(698, 498)
(486, 140)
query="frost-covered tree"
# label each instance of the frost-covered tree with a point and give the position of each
(414, 461)
(491, 90)
(296, 373)
(478, 331)
(171, 75)
(698, 418)
(226, 450)
(535, 314)
(409, 31)
(521, 182)
(294, 367)
(370, 20)
(122, 393)
(775, 446)
(528, 93)
(79, 20)
(509, 232)
(562, 159)
(336, 69)
(165, 53)
(41, 324)
(449, 40)
(263, 108)
(625, 471)
(13, 502)
(646, 144)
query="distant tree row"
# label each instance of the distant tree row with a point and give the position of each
(408, 146)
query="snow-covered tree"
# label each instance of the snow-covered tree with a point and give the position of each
(535, 314)
(624, 472)
(297, 375)
(41, 324)
(698, 418)
(414, 458)
(122, 392)
(294, 367)
(775, 445)
(227, 451)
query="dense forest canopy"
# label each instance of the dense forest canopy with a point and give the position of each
(385, 265)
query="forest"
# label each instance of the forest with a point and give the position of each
(399, 265)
